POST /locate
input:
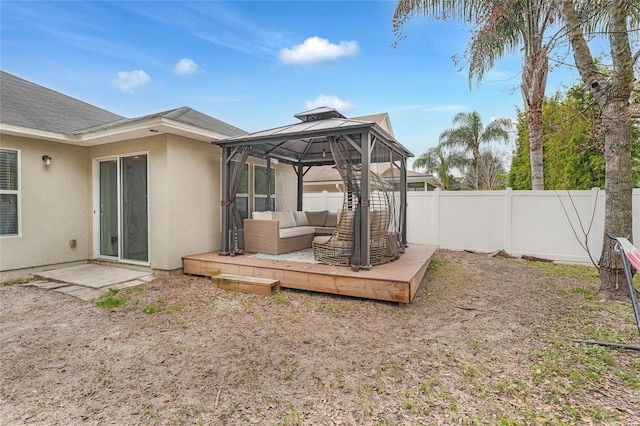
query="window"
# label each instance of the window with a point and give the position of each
(252, 192)
(9, 192)
(260, 189)
(415, 186)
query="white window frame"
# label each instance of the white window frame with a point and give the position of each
(17, 193)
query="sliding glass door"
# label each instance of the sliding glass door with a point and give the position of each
(123, 228)
(108, 175)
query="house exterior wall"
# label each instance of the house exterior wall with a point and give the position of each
(191, 218)
(159, 217)
(317, 188)
(56, 201)
(286, 187)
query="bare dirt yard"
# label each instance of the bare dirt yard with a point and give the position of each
(485, 342)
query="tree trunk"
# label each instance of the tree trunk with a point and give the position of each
(534, 83)
(476, 165)
(619, 191)
(534, 119)
(612, 94)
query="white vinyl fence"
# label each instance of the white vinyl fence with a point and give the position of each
(546, 224)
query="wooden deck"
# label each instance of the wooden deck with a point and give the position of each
(396, 281)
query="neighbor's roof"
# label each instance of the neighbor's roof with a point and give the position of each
(382, 119)
(28, 109)
(328, 174)
(306, 142)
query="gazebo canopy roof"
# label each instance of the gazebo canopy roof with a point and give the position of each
(307, 142)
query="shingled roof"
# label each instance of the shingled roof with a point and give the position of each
(183, 115)
(27, 104)
(30, 106)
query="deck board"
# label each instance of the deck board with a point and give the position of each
(396, 281)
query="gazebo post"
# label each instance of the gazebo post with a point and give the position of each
(300, 173)
(224, 203)
(403, 201)
(365, 229)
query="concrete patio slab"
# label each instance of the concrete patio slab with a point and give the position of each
(90, 281)
(68, 289)
(91, 275)
(47, 285)
(127, 284)
(85, 293)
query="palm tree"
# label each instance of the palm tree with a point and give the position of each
(438, 161)
(491, 173)
(470, 134)
(502, 27)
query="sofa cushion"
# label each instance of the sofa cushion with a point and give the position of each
(324, 230)
(317, 218)
(301, 218)
(296, 231)
(332, 219)
(261, 215)
(285, 218)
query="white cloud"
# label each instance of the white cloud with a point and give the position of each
(329, 101)
(129, 80)
(317, 50)
(186, 66)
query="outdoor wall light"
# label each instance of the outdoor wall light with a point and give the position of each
(46, 159)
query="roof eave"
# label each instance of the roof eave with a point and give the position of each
(27, 132)
(128, 131)
(150, 127)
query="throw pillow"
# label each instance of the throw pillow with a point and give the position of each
(261, 215)
(285, 218)
(317, 218)
(301, 218)
(332, 219)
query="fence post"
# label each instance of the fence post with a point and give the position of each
(595, 194)
(436, 215)
(508, 219)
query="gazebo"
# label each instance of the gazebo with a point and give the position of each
(371, 162)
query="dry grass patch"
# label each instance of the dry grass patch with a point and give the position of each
(486, 342)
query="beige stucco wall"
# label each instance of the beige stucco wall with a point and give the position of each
(286, 187)
(184, 195)
(156, 148)
(56, 200)
(184, 200)
(193, 195)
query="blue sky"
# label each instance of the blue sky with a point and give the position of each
(255, 64)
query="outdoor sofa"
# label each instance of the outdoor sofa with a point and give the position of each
(285, 231)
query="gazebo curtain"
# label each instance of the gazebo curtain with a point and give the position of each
(387, 165)
(236, 245)
(349, 168)
(385, 218)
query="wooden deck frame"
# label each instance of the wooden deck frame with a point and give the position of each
(396, 281)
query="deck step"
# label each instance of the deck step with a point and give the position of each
(245, 284)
